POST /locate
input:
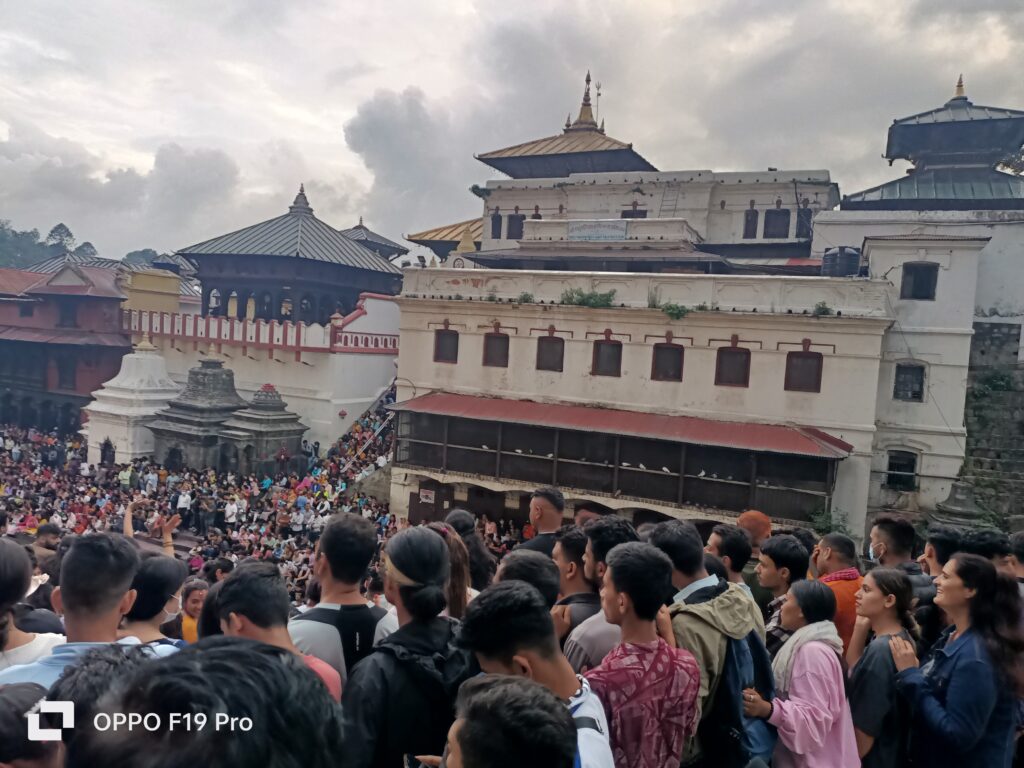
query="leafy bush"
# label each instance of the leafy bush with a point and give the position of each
(580, 298)
(525, 298)
(675, 311)
(821, 308)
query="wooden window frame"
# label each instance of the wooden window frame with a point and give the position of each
(790, 385)
(718, 367)
(896, 377)
(593, 362)
(437, 338)
(495, 335)
(654, 358)
(919, 266)
(561, 358)
(776, 213)
(890, 472)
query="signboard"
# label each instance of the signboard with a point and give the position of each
(609, 229)
(426, 497)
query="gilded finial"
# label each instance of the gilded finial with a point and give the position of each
(466, 243)
(959, 93)
(585, 121)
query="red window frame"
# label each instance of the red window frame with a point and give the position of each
(741, 351)
(790, 385)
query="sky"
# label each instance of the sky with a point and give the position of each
(164, 123)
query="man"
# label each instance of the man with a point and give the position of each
(269, 687)
(573, 587)
(546, 507)
(94, 594)
(649, 688)
(783, 560)
(217, 569)
(253, 603)
(1017, 558)
(836, 560)
(594, 638)
(892, 546)
(45, 545)
(509, 722)
(992, 545)
(940, 544)
(508, 627)
(587, 511)
(340, 629)
(532, 567)
(708, 615)
(16, 749)
(731, 545)
(759, 528)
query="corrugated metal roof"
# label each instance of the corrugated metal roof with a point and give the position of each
(14, 282)
(56, 263)
(957, 110)
(946, 184)
(449, 233)
(768, 438)
(562, 144)
(296, 234)
(362, 232)
(63, 336)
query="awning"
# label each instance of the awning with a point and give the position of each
(762, 438)
(55, 336)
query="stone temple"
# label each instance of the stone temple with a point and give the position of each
(210, 425)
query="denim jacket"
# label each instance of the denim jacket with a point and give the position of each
(962, 715)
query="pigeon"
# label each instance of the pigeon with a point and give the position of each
(485, 447)
(714, 475)
(518, 450)
(642, 466)
(626, 464)
(666, 470)
(550, 455)
(701, 473)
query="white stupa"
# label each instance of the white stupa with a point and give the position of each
(123, 407)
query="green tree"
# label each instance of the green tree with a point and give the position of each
(61, 237)
(86, 249)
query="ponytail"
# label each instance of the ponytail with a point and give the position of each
(15, 578)
(894, 582)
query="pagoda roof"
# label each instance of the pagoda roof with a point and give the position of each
(296, 234)
(949, 188)
(363, 234)
(449, 233)
(582, 147)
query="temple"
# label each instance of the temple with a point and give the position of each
(955, 151)
(292, 267)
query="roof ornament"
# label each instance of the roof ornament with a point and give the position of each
(360, 221)
(301, 204)
(959, 93)
(585, 121)
(466, 243)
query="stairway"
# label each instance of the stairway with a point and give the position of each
(669, 202)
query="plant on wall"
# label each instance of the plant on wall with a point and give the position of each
(594, 299)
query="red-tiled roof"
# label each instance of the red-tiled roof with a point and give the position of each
(96, 281)
(768, 438)
(14, 282)
(63, 336)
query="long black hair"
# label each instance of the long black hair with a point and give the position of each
(15, 578)
(482, 564)
(893, 581)
(995, 613)
(420, 564)
(156, 581)
(817, 601)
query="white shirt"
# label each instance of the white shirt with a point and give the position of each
(593, 745)
(36, 648)
(230, 512)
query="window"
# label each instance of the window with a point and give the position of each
(667, 363)
(750, 218)
(909, 382)
(607, 358)
(496, 350)
(515, 226)
(803, 371)
(26, 310)
(446, 346)
(776, 223)
(901, 474)
(66, 372)
(68, 314)
(803, 222)
(732, 368)
(496, 226)
(919, 281)
(550, 351)
(634, 213)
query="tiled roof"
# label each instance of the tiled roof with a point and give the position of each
(86, 281)
(296, 234)
(449, 232)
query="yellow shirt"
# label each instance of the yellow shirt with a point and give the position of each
(189, 630)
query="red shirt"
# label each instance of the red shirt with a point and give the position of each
(649, 692)
(327, 673)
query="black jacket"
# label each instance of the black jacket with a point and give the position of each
(400, 699)
(923, 584)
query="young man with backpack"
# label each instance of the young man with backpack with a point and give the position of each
(509, 628)
(340, 629)
(719, 624)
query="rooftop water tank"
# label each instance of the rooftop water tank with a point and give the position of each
(843, 261)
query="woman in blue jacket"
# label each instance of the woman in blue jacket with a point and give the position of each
(963, 698)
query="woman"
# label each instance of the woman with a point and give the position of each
(17, 647)
(192, 596)
(880, 718)
(810, 710)
(964, 697)
(482, 564)
(158, 597)
(458, 590)
(398, 700)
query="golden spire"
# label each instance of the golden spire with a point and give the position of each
(466, 244)
(959, 93)
(145, 345)
(585, 121)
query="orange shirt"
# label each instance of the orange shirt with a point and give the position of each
(189, 630)
(845, 591)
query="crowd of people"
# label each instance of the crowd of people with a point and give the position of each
(344, 636)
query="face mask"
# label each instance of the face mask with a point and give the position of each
(872, 555)
(168, 616)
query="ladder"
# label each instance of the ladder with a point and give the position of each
(669, 201)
